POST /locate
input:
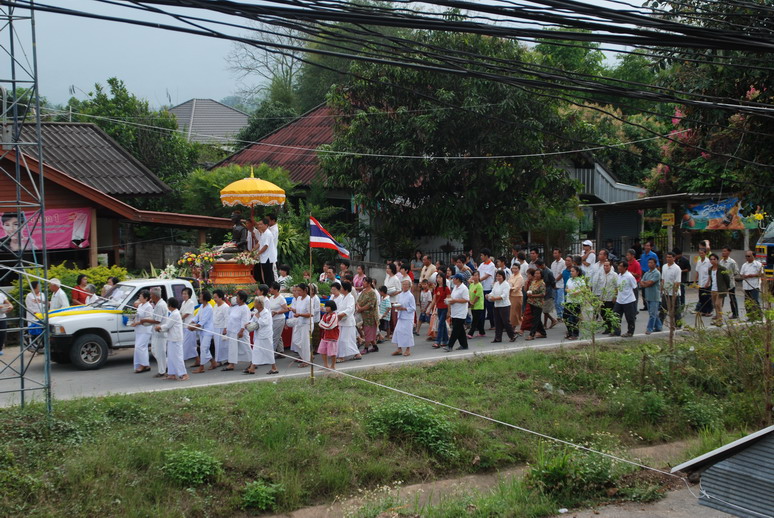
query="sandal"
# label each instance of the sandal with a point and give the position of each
(436, 346)
(301, 365)
(340, 360)
(248, 371)
(227, 369)
(396, 353)
(407, 353)
(184, 377)
(144, 369)
(357, 358)
(200, 370)
(273, 371)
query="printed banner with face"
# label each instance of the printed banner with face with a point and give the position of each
(714, 215)
(65, 228)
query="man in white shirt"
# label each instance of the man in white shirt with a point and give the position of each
(557, 267)
(458, 311)
(588, 257)
(671, 273)
(428, 269)
(729, 264)
(751, 273)
(704, 306)
(486, 271)
(34, 301)
(596, 272)
(266, 251)
(625, 301)
(58, 297)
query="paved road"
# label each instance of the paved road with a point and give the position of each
(117, 376)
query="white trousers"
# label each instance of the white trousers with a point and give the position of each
(141, 341)
(205, 339)
(175, 363)
(159, 346)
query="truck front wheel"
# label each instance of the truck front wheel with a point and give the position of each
(89, 352)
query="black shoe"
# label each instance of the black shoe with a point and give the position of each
(460, 348)
(446, 349)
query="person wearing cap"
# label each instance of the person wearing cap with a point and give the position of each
(458, 304)
(58, 297)
(588, 257)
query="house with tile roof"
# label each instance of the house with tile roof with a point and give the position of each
(209, 122)
(89, 174)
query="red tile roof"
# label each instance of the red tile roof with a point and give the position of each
(291, 146)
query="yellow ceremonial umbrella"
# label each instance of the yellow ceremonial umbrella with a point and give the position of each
(252, 191)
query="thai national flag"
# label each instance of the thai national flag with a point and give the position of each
(320, 238)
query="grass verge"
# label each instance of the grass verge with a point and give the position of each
(248, 448)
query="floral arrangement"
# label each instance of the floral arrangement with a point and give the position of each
(756, 219)
(170, 272)
(246, 258)
(187, 259)
(206, 259)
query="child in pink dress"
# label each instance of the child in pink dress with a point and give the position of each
(329, 340)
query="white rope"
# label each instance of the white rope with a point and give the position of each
(297, 150)
(444, 405)
(745, 509)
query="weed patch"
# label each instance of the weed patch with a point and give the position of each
(191, 467)
(261, 496)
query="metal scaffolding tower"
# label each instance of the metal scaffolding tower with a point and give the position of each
(23, 245)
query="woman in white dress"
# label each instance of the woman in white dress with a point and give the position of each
(173, 326)
(278, 308)
(406, 308)
(345, 308)
(219, 322)
(142, 332)
(187, 308)
(263, 349)
(301, 329)
(236, 336)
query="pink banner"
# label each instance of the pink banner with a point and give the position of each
(65, 228)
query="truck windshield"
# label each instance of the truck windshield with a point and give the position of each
(768, 234)
(116, 296)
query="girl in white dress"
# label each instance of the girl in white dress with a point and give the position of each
(219, 320)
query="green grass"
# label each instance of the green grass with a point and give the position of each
(107, 456)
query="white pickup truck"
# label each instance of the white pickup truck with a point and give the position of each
(84, 335)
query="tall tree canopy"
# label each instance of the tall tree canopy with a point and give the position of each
(716, 150)
(398, 111)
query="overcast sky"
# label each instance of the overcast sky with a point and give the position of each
(160, 66)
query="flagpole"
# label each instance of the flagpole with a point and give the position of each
(311, 319)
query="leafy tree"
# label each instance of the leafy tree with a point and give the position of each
(608, 126)
(582, 57)
(718, 150)
(150, 136)
(408, 112)
(203, 187)
(266, 118)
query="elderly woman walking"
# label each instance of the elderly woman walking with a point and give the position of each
(406, 308)
(263, 348)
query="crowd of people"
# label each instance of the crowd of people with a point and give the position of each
(521, 296)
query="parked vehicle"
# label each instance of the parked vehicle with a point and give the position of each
(764, 250)
(84, 335)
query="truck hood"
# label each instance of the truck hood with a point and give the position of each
(67, 314)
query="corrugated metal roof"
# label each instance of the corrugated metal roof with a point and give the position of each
(723, 452)
(88, 154)
(743, 484)
(207, 121)
(292, 146)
